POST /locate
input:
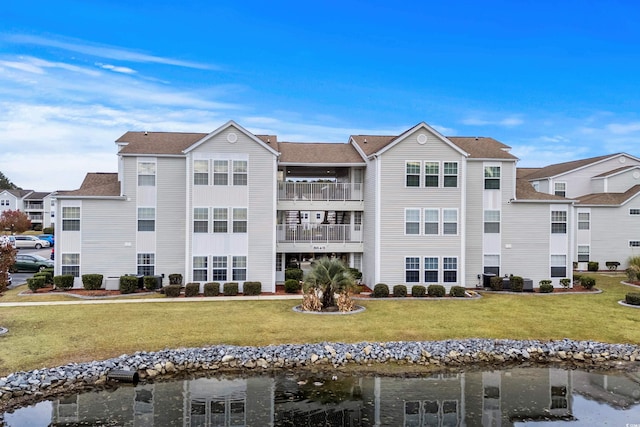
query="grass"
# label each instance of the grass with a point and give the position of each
(47, 336)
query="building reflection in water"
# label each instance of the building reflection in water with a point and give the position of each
(490, 398)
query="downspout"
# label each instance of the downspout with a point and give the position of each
(377, 216)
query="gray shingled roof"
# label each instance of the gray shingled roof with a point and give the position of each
(525, 191)
(615, 171)
(98, 184)
(560, 168)
(318, 153)
(158, 142)
(612, 199)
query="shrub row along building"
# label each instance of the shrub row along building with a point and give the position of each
(416, 208)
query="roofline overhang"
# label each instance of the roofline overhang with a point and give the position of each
(321, 164)
(93, 197)
(555, 202)
(491, 159)
(152, 155)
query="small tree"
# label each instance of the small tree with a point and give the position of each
(7, 259)
(14, 221)
(330, 276)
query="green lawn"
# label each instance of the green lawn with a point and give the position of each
(47, 336)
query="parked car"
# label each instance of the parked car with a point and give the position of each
(12, 240)
(48, 237)
(28, 241)
(29, 262)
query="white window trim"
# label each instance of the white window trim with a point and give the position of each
(438, 175)
(457, 175)
(637, 213)
(556, 183)
(457, 270)
(412, 222)
(588, 253)
(419, 269)
(407, 174)
(438, 222)
(457, 233)
(634, 243)
(438, 270)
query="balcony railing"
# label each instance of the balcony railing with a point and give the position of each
(322, 191)
(33, 217)
(319, 233)
(38, 206)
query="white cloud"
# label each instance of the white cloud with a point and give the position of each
(624, 129)
(506, 122)
(124, 70)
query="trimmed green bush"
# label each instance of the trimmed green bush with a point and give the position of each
(546, 288)
(380, 290)
(150, 282)
(496, 283)
(192, 289)
(458, 292)
(252, 288)
(593, 266)
(400, 291)
(292, 286)
(175, 279)
(211, 289)
(437, 291)
(172, 291)
(418, 291)
(127, 284)
(293, 273)
(230, 289)
(64, 281)
(35, 283)
(92, 282)
(565, 283)
(46, 275)
(587, 282)
(632, 298)
(516, 283)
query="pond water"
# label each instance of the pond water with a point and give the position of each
(513, 397)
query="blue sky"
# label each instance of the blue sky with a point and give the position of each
(555, 80)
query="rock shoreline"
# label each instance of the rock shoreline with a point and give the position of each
(22, 388)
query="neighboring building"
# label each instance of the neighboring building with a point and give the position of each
(416, 208)
(39, 206)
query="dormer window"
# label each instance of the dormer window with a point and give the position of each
(560, 189)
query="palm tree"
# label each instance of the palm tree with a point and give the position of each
(330, 276)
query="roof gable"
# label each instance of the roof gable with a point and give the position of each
(96, 184)
(610, 199)
(226, 126)
(558, 169)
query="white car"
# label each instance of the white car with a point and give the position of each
(27, 241)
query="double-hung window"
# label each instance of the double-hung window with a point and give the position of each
(583, 253)
(492, 264)
(220, 220)
(218, 268)
(450, 170)
(146, 219)
(146, 264)
(491, 221)
(240, 172)
(412, 221)
(449, 221)
(412, 174)
(634, 211)
(584, 220)
(431, 174)
(71, 264)
(558, 266)
(71, 218)
(200, 268)
(431, 221)
(201, 172)
(560, 188)
(412, 269)
(431, 270)
(239, 268)
(492, 177)
(559, 222)
(239, 220)
(220, 172)
(200, 220)
(147, 174)
(450, 269)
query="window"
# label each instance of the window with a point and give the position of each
(200, 220)
(450, 221)
(239, 172)
(412, 269)
(491, 221)
(431, 270)
(450, 174)
(536, 185)
(239, 220)
(492, 264)
(146, 219)
(632, 211)
(71, 218)
(4, 202)
(492, 177)
(220, 172)
(146, 264)
(450, 269)
(146, 174)
(71, 264)
(583, 253)
(219, 268)
(431, 174)
(412, 221)
(558, 266)
(220, 220)
(559, 222)
(413, 174)
(431, 221)
(201, 172)
(583, 220)
(634, 243)
(560, 188)
(200, 268)
(239, 268)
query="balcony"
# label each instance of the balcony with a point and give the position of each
(319, 191)
(319, 237)
(33, 206)
(35, 217)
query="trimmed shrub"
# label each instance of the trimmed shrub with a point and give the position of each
(150, 282)
(357, 274)
(34, 283)
(593, 266)
(632, 298)
(293, 273)
(172, 291)
(230, 289)
(252, 288)
(400, 291)
(292, 286)
(565, 282)
(127, 284)
(496, 283)
(380, 290)
(546, 288)
(175, 279)
(92, 282)
(437, 291)
(46, 275)
(587, 282)
(458, 292)
(418, 291)
(516, 283)
(192, 289)
(211, 289)
(48, 270)
(64, 281)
